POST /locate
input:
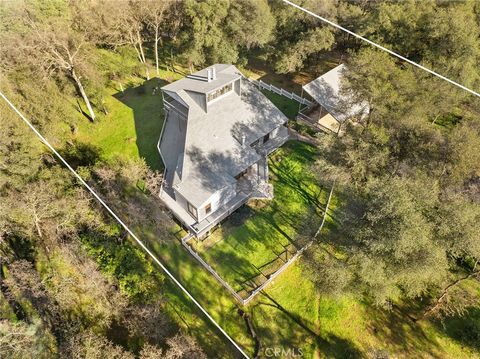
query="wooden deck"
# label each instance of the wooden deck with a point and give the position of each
(318, 118)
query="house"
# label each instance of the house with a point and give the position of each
(332, 107)
(218, 131)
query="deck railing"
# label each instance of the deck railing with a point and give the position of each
(271, 277)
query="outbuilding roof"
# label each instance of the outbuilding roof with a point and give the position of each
(326, 91)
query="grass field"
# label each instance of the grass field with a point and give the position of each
(289, 107)
(253, 241)
(133, 125)
(290, 313)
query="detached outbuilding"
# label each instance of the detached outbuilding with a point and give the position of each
(331, 106)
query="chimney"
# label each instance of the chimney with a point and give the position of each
(214, 74)
(243, 139)
(209, 75)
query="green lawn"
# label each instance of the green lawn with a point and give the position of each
(252, 240)
(288, 106)
(290, 313)
(133, 124)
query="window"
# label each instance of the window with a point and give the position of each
(237, 177)
(266, 137)
(208, 208)
(255, 143)
(192, 210)
(219, 92)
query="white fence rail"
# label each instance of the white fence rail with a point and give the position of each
(281, 92)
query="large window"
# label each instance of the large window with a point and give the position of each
(221, 91)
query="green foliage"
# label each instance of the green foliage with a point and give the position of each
(20, 340)
(217, 30)
(298, 36)
(464, 152)
(207, 40)
(395, 247)
(310, 42)
(250, 23)
(136, 276)
(442, 34)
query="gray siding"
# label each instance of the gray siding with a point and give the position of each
(217, 200)
(199, 98)
(236, 86)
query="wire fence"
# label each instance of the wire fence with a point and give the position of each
(245, 300)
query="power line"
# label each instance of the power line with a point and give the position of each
(117, 218)
(393, 53)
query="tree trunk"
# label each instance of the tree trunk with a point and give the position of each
(83, 93)
(439, 300)
(37, 226)
(156, 50)
(140, 47)
(172, 63)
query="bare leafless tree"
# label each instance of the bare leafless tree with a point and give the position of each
(155, 12)
(59, 47)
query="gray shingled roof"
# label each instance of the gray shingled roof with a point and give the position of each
(213, 152)
(224, 74)
(325, 90)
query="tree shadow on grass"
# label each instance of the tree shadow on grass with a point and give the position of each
(464, 329)
(146, 102)
(397, 328)
(80, 154)
(330, 345)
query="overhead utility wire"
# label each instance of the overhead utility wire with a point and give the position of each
(117, 218)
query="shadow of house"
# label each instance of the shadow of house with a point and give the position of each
(147, 105)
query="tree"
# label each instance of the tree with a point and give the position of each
(463, 152)
(46, 209)
(250, 23)
(457, 226)
(155, 13)
(132, 18)
(393, 248)
(312, 41)
(59, 47)
(20, 340)
(149, 321)
(441, 35)
(82, 292)
(182, 346)
(204, 36)
(89, 345)
(298, 36)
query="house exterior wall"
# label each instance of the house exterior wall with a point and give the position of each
(237, 87)
(199, 98)
(182, 201)
(280, 131)
(217, 200)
